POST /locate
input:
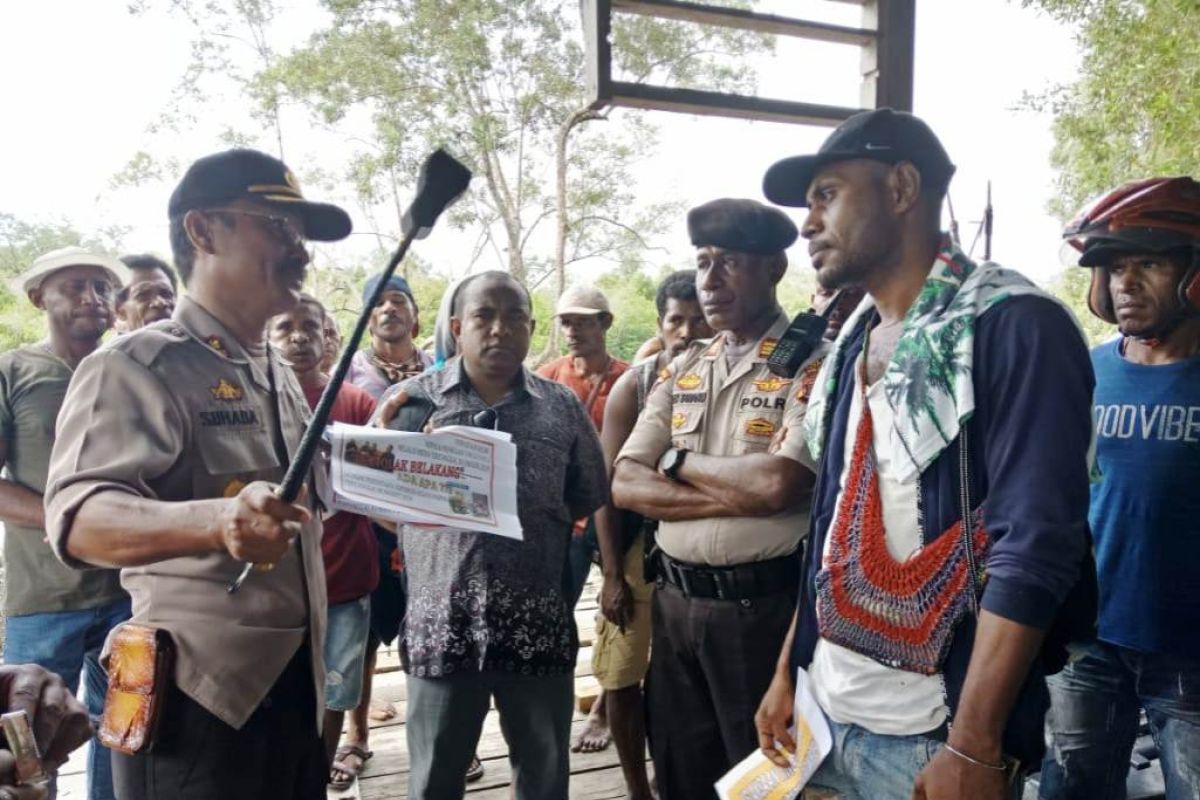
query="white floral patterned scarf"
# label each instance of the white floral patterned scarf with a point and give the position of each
(929, 381)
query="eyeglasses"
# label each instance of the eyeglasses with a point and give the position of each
(281, 228)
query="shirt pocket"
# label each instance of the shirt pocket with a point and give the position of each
(542, 472)
(754, 429)
(230, 459)
(687, 425)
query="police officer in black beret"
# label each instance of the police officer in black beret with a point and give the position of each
(718, 457)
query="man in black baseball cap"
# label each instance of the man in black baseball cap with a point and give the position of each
(883, 135)
(922, 703)
(182, 432)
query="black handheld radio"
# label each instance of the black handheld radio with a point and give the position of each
(800, 340)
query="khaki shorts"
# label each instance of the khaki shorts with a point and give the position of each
(620, 659)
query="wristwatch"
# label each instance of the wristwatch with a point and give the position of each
(671, 462)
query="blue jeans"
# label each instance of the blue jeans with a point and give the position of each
(345, 651)
(1093, 722)
(871, 766)
(69, 643)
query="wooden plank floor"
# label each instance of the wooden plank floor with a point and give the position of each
(594, 776)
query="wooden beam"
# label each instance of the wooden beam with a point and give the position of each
(887, 62)
(703, 14)
(694, 101)
(597, 28)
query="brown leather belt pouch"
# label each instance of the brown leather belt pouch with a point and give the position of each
(140, 666)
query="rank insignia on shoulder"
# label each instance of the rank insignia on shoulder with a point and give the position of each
(760, 427)
(224, 390)
(767, 347)
(770, 384)
(216, 343)
(233, 487)
(808, 379)
(688, 382)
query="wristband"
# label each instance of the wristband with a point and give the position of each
(1001, 767)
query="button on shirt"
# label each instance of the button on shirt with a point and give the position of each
(180, 411)
(480, 602)
(33, 382)
(709, 406)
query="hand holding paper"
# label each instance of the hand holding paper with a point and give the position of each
(756, 778)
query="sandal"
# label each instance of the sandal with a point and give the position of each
(475, 770)
(350, 773)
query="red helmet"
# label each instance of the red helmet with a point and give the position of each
(1154, 215)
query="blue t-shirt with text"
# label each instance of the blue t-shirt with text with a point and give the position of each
(1145, 510)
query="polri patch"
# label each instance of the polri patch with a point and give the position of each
(226, 392)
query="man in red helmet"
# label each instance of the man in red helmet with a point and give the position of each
(1142, 241)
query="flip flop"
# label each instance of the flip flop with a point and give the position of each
(362, 754)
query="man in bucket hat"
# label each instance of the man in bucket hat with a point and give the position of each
(57, 618)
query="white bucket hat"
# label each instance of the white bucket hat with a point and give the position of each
(48, 263)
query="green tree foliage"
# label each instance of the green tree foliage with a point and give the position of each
(1134, 112)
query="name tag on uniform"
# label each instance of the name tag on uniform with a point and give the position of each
(229, 418)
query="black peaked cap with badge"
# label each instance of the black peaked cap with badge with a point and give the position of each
(745, 226)
(251, 175)
(883, 135)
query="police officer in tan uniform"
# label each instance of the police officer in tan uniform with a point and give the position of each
(718, 457)
(170, 442)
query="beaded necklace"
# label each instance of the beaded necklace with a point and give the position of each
(900, 613)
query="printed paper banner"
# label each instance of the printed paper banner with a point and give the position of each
(457, 478)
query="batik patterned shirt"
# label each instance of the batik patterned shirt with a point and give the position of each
(479, 602)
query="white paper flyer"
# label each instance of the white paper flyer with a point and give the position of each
(757, 778)
(457, 478)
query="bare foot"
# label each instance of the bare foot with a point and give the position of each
(594, 737)
(382, 711)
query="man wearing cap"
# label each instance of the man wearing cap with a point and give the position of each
(621, 651)
(957, 390)
(717, 456)
(150, 294)
(57, 617)
(392, 355)
(589, 371)
(171, 442)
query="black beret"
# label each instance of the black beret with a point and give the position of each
(746, 226)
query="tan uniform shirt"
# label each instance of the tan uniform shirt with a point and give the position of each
(707, 407)
(179, 411)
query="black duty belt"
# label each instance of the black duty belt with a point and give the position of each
(736, 582)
